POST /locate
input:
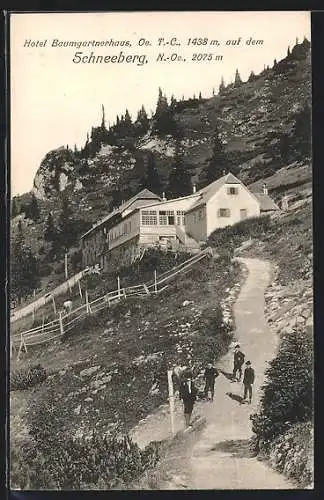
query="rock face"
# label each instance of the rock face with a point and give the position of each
(273, 98)
(62, 170)
(291, 305)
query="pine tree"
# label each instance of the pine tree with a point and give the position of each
(200, 97)
(142, 122)
(103, 120)
(33, 211)
(66, 227)
(252, 76)
(213, 91)
(275, 63)
(24, 267)
(173, 103)
(221, 86)
(50, 233)
(217, 163)
(288, 52)
(151, 179)
(14, 208)
(163, 119)
(179, 178)
(237, 79)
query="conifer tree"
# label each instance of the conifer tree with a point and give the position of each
(24, 267)
(237, 80)
(173, 103)
(200, 97)
(222, 86)
(217, 163)
(163, 119)
(151, 179)
(179, 178)
(33, 209)
(50, 233)
(142, 122)
(252, 76)
(14, 208)
(67, 232)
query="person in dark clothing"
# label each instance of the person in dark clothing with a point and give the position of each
(248, 381)
(238, 363)
(188, 393)
(209, 376)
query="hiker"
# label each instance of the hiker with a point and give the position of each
(188, 393)
(238, 363)
(209, 376)
(248, 381)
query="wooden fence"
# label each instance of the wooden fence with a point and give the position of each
(64, 323)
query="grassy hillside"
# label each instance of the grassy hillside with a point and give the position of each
(130, 344)
(263, 125)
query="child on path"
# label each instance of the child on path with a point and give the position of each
(188, 393)
(238, 363)
(248, 381)
(209, 376)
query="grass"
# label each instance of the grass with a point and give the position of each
(131, 344)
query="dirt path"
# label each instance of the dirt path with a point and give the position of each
(219, 457)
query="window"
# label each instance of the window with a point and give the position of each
(180, 218)
(224, 212)
(149, 218)
(166, 217)
(232, 190)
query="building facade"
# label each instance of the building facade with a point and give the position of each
(147, 220)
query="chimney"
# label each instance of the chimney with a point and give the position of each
(163, 196)
(264, 188)
(194, 189)
(224, 172)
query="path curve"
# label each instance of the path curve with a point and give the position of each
(220, 458)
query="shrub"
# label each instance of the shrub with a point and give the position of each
(288, 391)
(291, 453)
(93, 462)
(55, 459)
(26, 378)
(227, 238)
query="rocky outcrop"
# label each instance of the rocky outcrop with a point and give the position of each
(291, 305)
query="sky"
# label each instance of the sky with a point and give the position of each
(55, 102)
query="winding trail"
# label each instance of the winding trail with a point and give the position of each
(219, 456)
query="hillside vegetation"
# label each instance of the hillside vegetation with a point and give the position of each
(102, 377)
(252, 128)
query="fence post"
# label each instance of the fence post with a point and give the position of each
(87, 302)
(155, 282)
(118, 286)
(54, 305)
(22, 345)
(171, 400)
(80, 291)
(61, 323)
(65, 265)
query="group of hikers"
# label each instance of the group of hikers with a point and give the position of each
(188, 392)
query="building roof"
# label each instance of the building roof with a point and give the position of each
(209, 191)
(266, 203)
(136, 200)
(165, 201)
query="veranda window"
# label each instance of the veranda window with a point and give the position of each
(149, 218)
(166, 217)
